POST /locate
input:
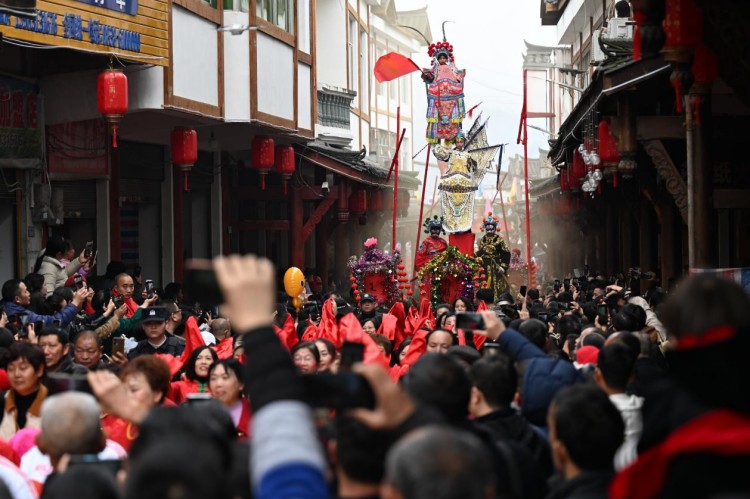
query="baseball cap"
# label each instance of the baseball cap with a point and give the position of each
(366, 297)
(155, 314)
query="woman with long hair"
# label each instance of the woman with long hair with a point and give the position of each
(195, 379)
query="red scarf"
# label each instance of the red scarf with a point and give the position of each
(721, 432)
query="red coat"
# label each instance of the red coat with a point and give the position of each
(243, 427)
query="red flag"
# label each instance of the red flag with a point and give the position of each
(393, 65)
(173, 362)
(397, 310)
(389, 327)
(287, 334)
(193, 339)
(351, 330)
(225, 348)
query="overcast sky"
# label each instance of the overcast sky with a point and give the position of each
(488, 41)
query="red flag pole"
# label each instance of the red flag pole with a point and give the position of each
(524, 117)
(394, 166)
(421, 208)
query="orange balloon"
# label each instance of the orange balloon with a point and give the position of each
(297, 303)
(294, 281)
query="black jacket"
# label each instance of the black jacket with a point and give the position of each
(587, 485)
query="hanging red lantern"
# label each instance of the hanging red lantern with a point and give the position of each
(112, 98)
(285, 163)
(376, 200)
(358, 201)
(608, 152)
(184, 142)
(579, 167)
(263, 157)
(683, 29)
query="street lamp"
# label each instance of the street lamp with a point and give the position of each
(238, 29)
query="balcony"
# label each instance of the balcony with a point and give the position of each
(334, 107)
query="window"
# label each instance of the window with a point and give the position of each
(380, 52)
(353, 54)
(405, 89)
(238, 5)
(278, 12)
(304, 25)
(364, 71)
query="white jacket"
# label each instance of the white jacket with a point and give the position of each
(55, 273)
(651, 319)
(630, 410)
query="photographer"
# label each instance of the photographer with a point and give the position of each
(16, 299)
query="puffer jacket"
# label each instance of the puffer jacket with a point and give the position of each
(56, 273)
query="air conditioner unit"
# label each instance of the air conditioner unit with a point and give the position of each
(619, 29)
(597, 54)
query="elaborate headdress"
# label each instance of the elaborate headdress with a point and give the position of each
(434, 223)
(460, 136)
(491, 220)
(438, 48)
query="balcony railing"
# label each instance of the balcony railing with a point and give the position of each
(334, 106)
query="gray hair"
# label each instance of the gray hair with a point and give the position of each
(71, 424)
(440, 463)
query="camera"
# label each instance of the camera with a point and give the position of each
(325, 188)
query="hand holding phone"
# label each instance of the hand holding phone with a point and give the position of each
(469, 321)
(149, 288)
(523, 290)
(118, 345)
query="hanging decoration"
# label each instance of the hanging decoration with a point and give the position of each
(285, 163)
(608, 149)
(112, 98)
(263, 158)
(450, 275)
(376, 273)
(184, 147)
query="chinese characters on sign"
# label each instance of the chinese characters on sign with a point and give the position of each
(19, 135)
(76, 28)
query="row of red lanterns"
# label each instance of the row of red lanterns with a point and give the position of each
(267, 156)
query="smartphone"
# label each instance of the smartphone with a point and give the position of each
(557, 284)
(523, 290)
(89, 251)
(490, 349)
(197, 398)
(469, 321)
(78, 282)
(602, 310)
(543, 316)
(566, 284)
(119, 301)
(57, 323)
(351, 353)
(339, 391)
(201, 284)
(149, 288)
(118, 345)
(24, 319)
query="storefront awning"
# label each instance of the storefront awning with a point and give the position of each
(608, 81)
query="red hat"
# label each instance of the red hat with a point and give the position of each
(587, 355)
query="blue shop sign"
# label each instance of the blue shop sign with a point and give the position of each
(129, 7)
(75, 27)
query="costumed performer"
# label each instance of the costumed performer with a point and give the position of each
(445, 94)
(433, 244)
(495, 256)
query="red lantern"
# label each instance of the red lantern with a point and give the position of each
(184, 143)
(112, 98)
(285, 163)
(376, 200)
(705, 71)
(358, 201)
(607, 145)
(683, 25)
(263, 157)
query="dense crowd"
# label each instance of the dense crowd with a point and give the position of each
(114, 387)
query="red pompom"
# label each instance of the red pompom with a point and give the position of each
(410, 293)
(352, 279)
(355, 285)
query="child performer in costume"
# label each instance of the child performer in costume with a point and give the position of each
(433, 244)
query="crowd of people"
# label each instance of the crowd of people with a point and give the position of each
(580, 388)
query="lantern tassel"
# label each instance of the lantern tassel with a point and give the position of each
(187, 183)
(599, 190)
(676, 83)
(262, 182)
(114, 136)
(285, 191)
(614, 179)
